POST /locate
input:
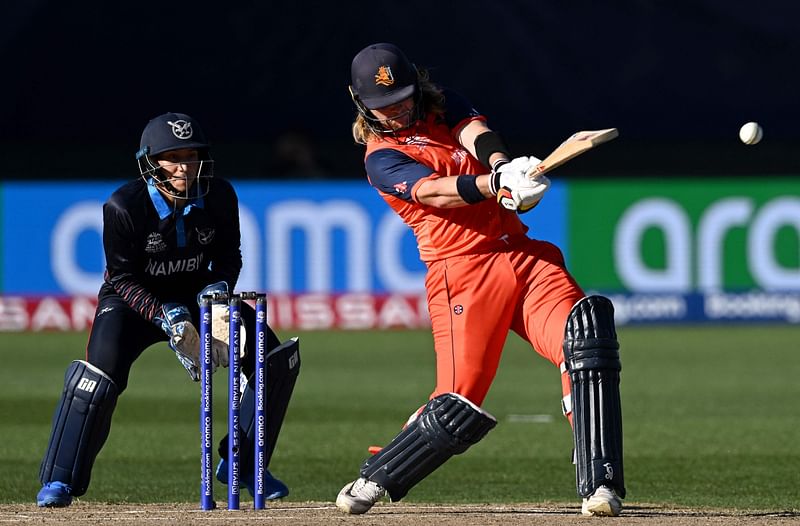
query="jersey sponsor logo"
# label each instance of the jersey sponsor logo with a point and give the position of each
(165, 268)
(155, 243)
(205, 235)
(181, 129)
(87, 385)
(384, 77)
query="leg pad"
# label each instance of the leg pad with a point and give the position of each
(591, 353)
(447, 426)
(81, 425)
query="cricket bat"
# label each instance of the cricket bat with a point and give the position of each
(577, 144)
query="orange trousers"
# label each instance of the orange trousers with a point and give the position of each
(474, 300)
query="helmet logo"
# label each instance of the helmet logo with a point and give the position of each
(384, 76)
(181, 129)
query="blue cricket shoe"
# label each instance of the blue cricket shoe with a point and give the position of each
(54, 495)
(273, 488)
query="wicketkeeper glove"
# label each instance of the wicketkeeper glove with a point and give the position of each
(220, 329)
(515, 188)
(220, 287)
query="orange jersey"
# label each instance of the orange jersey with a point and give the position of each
(431, 151)
(485, 276)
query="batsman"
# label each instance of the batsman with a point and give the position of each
(169, 237)
(434, 160)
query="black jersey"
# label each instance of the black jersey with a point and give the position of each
(157, 254)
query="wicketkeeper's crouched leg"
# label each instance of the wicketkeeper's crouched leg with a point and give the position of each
(448, 425)
(81, 425)
(283, 367)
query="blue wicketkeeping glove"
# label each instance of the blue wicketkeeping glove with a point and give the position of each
(218, 287)
(176, 321)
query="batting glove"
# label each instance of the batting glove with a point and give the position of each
(513, 186)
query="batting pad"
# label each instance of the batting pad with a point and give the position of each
(447, 426)
(591, 352)
(81, 425)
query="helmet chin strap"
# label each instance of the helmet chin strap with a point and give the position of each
(410, 114)
(171, 190)
(193, 191)
(156, 175)
(379, 127)
(161, 182)
(376, 125)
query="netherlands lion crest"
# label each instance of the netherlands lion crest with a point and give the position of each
(384, 76)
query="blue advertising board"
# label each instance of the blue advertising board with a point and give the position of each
(329, 250)
(297, 237)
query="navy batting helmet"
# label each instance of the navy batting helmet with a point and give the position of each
(174, 131)
(382, 76)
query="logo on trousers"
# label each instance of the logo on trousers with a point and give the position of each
(609, 471)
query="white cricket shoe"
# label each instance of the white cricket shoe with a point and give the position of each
(359, 496)
(604, 502)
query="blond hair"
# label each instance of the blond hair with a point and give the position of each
(431, 101)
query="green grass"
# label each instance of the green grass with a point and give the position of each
(712, 419)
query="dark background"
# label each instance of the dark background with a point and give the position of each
(268, 80)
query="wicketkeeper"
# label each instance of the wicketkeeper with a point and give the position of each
(169, 236)
(435, 161)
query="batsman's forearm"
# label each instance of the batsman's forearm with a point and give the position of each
(442, 192)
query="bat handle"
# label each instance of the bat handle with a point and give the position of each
(536, 170)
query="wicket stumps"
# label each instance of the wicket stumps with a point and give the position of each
(234, 302)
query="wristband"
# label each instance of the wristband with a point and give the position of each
(467, 186)
(494, 177)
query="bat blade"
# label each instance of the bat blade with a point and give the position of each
(577, 144)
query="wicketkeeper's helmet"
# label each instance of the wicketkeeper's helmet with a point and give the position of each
(174, 131)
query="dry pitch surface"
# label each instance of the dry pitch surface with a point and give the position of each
(384, 514)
